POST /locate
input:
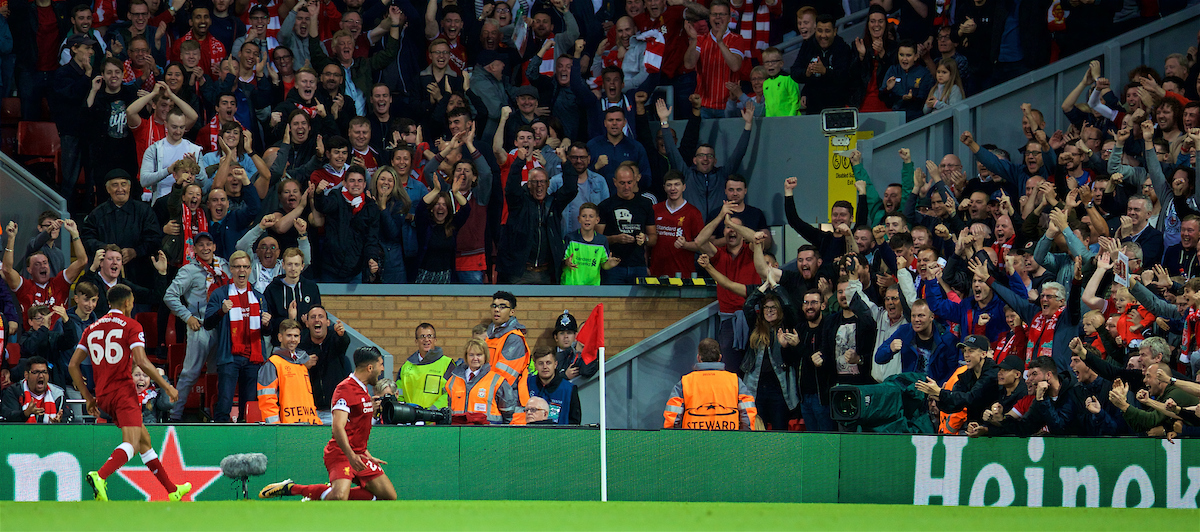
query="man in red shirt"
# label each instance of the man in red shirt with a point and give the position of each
(346, 455)
(212, 52)
(361, 152)
(449, 28)
(678, 223)
(113, 342)
(732, 267)
(42, 287)
(717, 57)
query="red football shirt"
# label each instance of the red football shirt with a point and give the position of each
(712, 71)
(370, 162)
(670, 24)
(739, 269)
(329, 174)
(458, 53)
(351, 397)
(110, 342)
(55, 292)
(665, 258)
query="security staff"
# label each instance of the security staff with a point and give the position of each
(284, 390)
(477, 393)
(710, 398)
(422, 378)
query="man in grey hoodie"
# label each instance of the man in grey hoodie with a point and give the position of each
(186, 298)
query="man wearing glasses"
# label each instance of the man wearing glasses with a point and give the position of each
(240, 317)
(508, 351)
(422, 378)
(717, 57)
(35, 400)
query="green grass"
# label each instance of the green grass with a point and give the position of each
(553, 515)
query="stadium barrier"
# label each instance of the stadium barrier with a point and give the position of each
(49, 463)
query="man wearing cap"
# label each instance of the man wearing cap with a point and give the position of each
(570, 360)
(977, 388)
(1013, 402)
(492, 89)
(131, 225)
(526, 99)
(81, 26)
(72, 83)
(187, 298)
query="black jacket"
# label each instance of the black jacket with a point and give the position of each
(350, 239)
(863, 67)
(828, 90)
(306, 294)
(525, 214)
(975, 394)
(331, 368)
(12, 412)
(71, 87)
(1031, 19)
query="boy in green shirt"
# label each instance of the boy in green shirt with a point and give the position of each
(587, 251)
(780, 91)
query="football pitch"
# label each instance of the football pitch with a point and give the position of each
(557, 515)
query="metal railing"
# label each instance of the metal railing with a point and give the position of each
(23, 197)
(994, 115)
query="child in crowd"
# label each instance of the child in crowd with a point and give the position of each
(780, 91)
(587, 251)
(906, 84)
(42, 339)
(154, 405)
(949, 90)
(87, 296)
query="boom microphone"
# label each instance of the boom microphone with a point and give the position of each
(243, 466)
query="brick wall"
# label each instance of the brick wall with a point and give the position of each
(390, 320)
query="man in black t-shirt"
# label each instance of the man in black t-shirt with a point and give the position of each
(751, 217)
(627, 219)
(111, 141)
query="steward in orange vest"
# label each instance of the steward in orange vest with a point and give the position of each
(710, 398)
(508, 353)
(476, 390)
(284, 389)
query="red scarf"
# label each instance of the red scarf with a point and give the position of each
(245, 322)
(132, 73)
(1012, 343)
(357, 202)
(216, 52)
(214, 277)
(147, 395)
(1037, 343)
(193, 222)
(1190, 322)
(754, 23)
(310, 111)
(46, 401)
(214, 131)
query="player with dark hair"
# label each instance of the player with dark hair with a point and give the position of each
(346, 455)
(112, 342)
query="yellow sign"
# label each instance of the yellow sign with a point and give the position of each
(841, 174)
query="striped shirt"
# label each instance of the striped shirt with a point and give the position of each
(712, 71)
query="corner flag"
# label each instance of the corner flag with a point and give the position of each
(591, 335)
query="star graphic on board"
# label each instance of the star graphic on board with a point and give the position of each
(171, 457)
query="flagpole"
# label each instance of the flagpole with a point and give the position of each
(603, 434)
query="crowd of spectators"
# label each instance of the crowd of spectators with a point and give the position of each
(222, 158)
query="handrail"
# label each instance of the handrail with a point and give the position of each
(962, 114)
(31, 183)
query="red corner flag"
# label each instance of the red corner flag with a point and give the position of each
(591, 335)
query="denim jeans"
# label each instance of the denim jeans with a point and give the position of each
(707, 113)
(732, 357)
(71, 162)
(198, 352)
(475, 277)
(325, 277)
(623, 274)
(244, 375)
(816, 415)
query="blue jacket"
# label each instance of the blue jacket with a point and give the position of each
(228, 230)
(966, 312)
(215, 318)
(1014, 172)
(561, 395)
(942, 362)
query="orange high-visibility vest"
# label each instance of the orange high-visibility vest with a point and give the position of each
(288, 398)
(480, 398)
(952, 423)
(711, 401)
(510, 370)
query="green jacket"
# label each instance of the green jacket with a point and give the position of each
(782, 95)
(875, 212)
(1143, 420)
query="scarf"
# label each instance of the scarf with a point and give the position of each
(357, 202)
(1190, 322)
(651, 58)
(216, 51)
(194, 221)
(147, 395)
(1036, 345)
(132, 73)
(46, 401)
(214, 277)
(214, 131)
(245, 321)
(548, 59)
(755, 26)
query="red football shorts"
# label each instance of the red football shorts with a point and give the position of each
(123, 408)
(339, 467)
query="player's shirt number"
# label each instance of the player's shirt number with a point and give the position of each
(112, 351)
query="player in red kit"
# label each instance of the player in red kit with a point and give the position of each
(113, 342)
(346, 455)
